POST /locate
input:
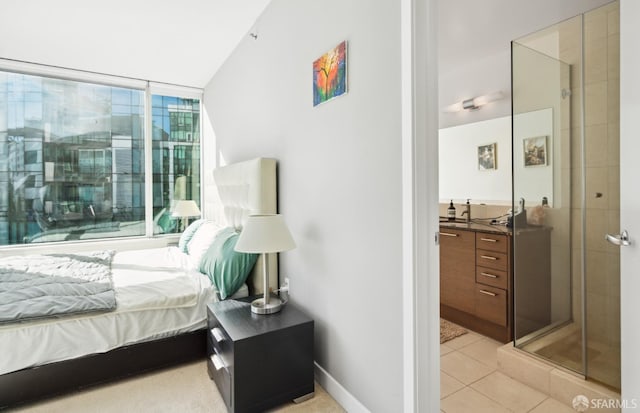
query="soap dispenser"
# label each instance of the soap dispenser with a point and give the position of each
(451, 212)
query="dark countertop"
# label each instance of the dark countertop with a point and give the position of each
(485, 226)
(477, 226)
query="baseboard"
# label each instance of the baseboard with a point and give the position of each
(339, 393)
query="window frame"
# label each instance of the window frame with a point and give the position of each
(148, 240)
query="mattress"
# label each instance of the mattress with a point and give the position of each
(158, 293)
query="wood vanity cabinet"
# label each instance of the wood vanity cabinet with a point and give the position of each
(493, 281)
(476, 278)
(457, 269)
(475, 281)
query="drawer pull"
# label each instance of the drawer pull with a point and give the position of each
(489, 257)
(217, 361)
(448, 234)
(488, 293)
(488, 239)
(486, 274)
(217, 334)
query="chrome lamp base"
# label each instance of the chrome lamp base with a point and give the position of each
(273, 306)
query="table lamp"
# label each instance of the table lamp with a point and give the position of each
(265, 234)
(185, 209)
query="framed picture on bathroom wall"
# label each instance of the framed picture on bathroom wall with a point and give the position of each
(535, 151)
(487, 157)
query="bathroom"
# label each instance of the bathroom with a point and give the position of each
(541, 139)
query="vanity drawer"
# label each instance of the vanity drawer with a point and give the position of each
(455, 240)
(491, 304)
(492, 242)
(490, 259)
(492, 277)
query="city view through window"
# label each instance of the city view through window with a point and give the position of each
(72, 160)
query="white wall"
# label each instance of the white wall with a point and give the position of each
(491, 73)
(459, 175)
(339, 176)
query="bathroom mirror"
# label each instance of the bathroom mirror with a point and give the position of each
(533, 150)
(461, 150)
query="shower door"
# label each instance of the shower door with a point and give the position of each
(545, 300)
(573, 68)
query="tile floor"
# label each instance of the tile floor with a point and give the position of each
(470, 381)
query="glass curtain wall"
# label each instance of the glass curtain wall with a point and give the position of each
(573, 68)
(176, 158)
(72, 159)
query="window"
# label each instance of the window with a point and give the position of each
(72, 159)
(176, 158)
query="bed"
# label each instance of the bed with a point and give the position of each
(161, 297)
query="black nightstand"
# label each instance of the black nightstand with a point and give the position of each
(259, 361)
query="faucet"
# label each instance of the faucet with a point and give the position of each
(467, 212)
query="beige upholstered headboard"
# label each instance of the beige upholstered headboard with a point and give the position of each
(246, 188)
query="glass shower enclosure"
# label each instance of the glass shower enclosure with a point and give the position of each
(565, 89)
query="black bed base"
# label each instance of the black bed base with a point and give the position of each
(53, 379)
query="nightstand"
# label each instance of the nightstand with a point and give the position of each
(259, 361)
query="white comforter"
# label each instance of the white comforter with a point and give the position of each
(156, 278)
(158, 295)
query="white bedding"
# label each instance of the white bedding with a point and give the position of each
(158, 295)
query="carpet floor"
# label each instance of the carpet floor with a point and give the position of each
(186, 388)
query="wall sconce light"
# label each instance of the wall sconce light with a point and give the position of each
(474, 103)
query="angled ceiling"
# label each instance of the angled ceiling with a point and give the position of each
(185, 42)
(179, 42)
(471, 30)
(474, 41)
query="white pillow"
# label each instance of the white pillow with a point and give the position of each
(201, 241)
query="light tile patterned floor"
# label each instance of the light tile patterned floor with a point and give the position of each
(470, 381)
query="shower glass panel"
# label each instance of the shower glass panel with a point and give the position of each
(542, 183)
(566, 157)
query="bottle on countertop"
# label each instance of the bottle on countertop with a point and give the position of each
(451, 212)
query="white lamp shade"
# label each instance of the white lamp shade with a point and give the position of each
(185, 209)
(265, 234)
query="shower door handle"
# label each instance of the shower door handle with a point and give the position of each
(622, 239)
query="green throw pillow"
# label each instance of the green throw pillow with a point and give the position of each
(227, 268)
(167, 222)
(188, 233)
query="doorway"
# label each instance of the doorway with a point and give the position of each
(421, 373)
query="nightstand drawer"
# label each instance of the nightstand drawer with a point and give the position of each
(220, 340)
(220, 373)
(490, 259)
(223, 349)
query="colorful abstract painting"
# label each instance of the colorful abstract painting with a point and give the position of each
(330, 74)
